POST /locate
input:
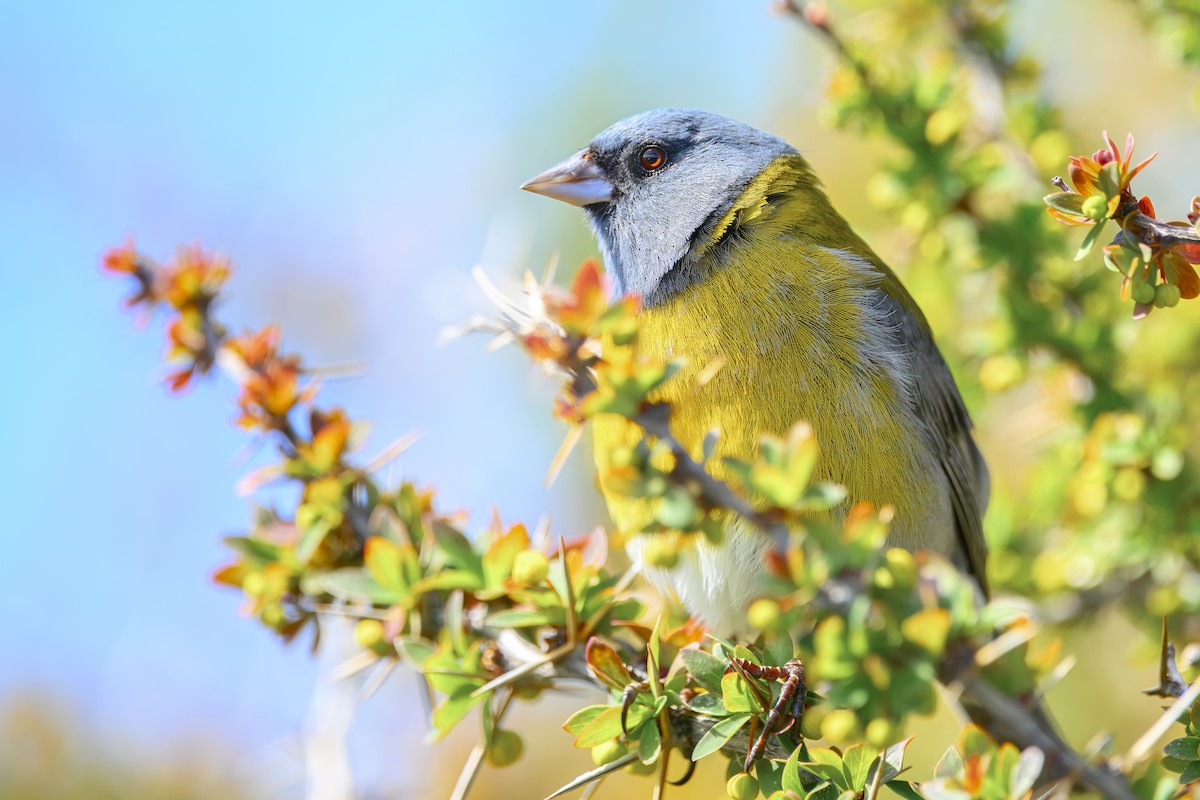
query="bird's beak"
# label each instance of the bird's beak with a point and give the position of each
(578, 181)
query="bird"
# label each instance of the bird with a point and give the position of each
(739, 258)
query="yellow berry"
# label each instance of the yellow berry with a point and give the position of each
(506, 748)
(607, 753)
(1128, 483)
(763, 614)
(903, 567)
(742, 786)
(810, 723)
(840, 725)
(530, 566)
(368, 633)
(880, 733)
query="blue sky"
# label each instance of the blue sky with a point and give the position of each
(355, 166)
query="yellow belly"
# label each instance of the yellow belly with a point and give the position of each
(791, 337)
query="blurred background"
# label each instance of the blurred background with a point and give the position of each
(355, 165)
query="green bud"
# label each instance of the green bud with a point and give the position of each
(607, 753)
(530, 566)
(742, 786)
(1096, 207)
(1143, 293)
(1166, 295)
(506, 748)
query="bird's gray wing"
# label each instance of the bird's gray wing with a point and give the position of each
(948, 435)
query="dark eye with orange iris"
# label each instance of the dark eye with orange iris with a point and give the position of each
(652, 158)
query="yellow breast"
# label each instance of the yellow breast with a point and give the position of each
(799, 328)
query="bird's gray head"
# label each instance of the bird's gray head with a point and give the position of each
(654, 185)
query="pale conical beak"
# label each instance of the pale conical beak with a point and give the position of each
(578, 181)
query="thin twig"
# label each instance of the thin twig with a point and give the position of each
(470, 770)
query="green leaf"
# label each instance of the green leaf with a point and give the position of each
(737, 694)
(458, 549)
(1190, 774)
(769, 772)
(355, 585)
(707, 669)
(1110, 182)
(976, 742)
(1066, 202)
(653, 655)
(607, 665)
(823, 791)
(1173, 764)
(791, 773)
(448, 580)
(1025, 774)
(928, 629)
(501, 553)
(1089, 240)
(708, 704)
(856, 763)
(892, 760)
(257, 550)
(453, 709)
(825, 763)
(313, 531)
(746, 654)
(1187, 749)
(950, 765)
(415, 651)
(526, 618)
(906, 790)
(716, 736)
(580, 719)
(607, 725)
(650, 743)
(774, 484)
(821, 496)
(392, 565)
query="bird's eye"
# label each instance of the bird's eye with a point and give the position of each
(652, 158)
